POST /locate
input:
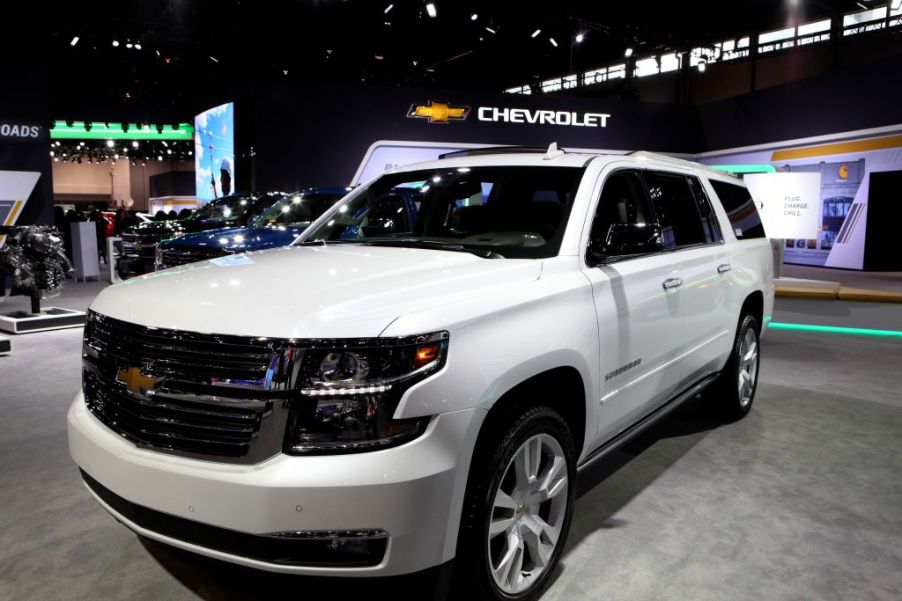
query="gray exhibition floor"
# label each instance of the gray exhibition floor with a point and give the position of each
(800, 500)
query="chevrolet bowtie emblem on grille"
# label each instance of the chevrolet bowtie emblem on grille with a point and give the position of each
(135, 380)
(438, 112)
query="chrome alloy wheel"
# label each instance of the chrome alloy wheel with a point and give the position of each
(528, 514)
(748, 366)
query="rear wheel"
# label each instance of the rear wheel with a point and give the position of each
(735, 388)
(518, 507)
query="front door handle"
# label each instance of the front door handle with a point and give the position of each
(672, 283)
(724, 267)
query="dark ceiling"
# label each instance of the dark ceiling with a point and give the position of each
(192, 51)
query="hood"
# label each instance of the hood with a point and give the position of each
(332, 291)
(238, 239)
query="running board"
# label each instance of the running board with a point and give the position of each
(646, 422)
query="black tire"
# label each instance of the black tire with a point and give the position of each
(730, 400)
(493, 456)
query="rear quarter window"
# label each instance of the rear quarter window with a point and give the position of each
(740, 208)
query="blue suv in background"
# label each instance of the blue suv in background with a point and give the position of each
(276, 226)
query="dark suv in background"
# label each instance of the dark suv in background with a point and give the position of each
(139, 242)
(276, 225)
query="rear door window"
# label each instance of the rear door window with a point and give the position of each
(676, 208)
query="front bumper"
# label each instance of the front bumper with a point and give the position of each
(412, 492)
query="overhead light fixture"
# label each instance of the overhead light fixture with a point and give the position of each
(628, 53)
(474, 16)
(553, 42)
(430, 10)
(74, 41)
(702, 66)
(579, 38)
(536, 33)
(115, 43)
(490, 30)
(388, 8)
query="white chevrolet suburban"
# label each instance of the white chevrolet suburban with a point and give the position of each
(424, 373)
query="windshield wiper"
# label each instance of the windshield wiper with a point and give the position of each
(432, 245)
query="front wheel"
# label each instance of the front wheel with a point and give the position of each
(518, 508)
(736, 386)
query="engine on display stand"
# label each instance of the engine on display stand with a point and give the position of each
(35, 260)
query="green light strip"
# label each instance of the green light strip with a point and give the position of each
(804, 327)
(99, 131)
(762, 168)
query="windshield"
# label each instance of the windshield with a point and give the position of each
(227, 207)
(507, 211)
(296, 210)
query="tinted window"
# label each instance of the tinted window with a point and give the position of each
(740, 208)
(709, 219)
(622, 201)
(677, 210)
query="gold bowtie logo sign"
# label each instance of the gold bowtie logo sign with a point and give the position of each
(135, 381)
(438, 112)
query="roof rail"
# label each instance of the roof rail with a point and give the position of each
(472, 152)
(663, 158)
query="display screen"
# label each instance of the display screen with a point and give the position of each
(214, 152)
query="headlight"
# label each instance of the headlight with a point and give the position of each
(347, 392)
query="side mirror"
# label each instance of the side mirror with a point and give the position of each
(628, 239)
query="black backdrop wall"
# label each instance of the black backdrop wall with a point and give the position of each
(306, 135)
(25, 139)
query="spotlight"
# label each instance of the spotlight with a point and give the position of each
(490, 30)
(110, 143)
(579, 38)
(430, 10)
(128, 45)
(164, 143)
(553, 42)
(168, 151)
(536, 33)
(702, 66)
(137, 45)
(115, 43)
(214, 59)
(160, 157)
(51, 153)
(474, 16)
(388, 8)
(628, 53)
(74, 41)
(134, 143)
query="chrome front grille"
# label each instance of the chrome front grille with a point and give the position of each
(173, 257)
(201, 395)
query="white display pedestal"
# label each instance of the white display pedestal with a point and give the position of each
(112, 258)
(50, 318)
(84, 250)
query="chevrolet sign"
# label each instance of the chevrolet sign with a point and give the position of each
(542, 117)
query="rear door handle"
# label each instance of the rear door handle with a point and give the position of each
(724, 267)
(672, 283)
